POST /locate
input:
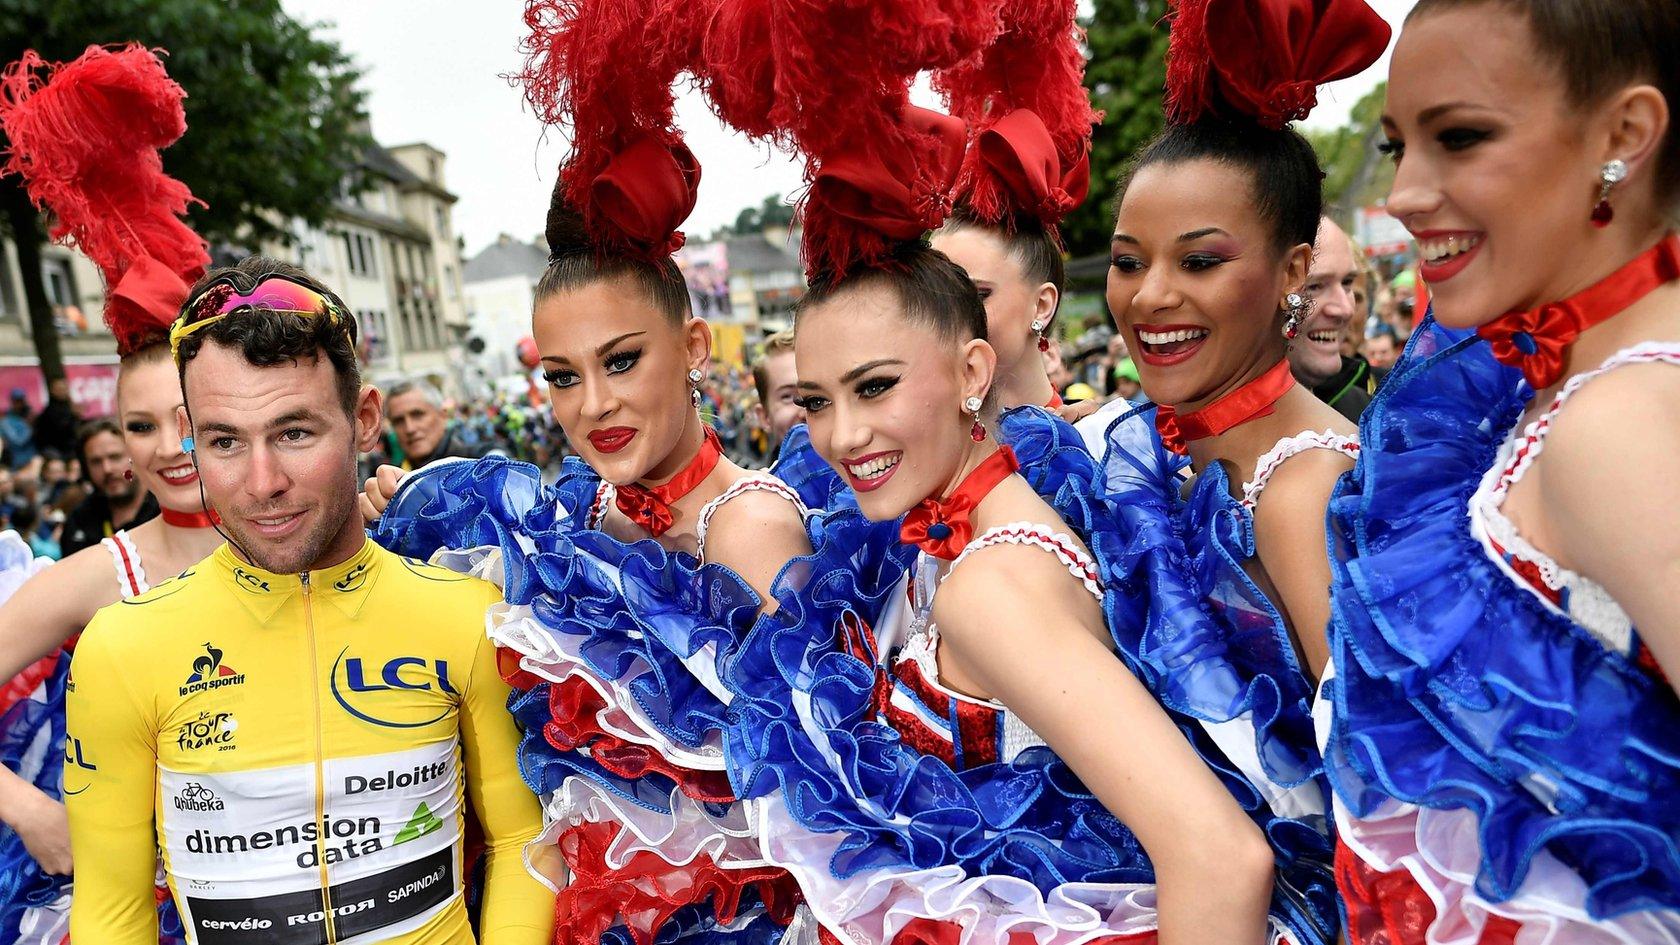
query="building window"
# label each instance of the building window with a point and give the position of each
(61, 289)
(442, 220)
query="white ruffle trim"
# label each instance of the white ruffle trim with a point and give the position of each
(556, 657)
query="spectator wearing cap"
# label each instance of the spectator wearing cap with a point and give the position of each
(117, 500)
(1127, 384)
(17, 432)
(414, 409)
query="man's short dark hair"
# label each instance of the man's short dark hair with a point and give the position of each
(90, 429)
(265, 337)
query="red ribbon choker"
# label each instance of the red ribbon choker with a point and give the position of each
(651, 508)
(941, 527)
(1538, 340)
(205, 519)
(1251, 401)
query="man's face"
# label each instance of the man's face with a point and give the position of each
(782, 410)
(277, 456)
(1380, 351)
(418, 424)
(1315, 354)
(108, 467)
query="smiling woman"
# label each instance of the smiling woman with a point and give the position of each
(1520, 480)
(128, 223)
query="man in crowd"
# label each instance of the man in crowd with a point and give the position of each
(117, 501)
(300, 720)
(1381, 349)
(778, 389)
(1315, 355)
(56, 426)
(424, 432)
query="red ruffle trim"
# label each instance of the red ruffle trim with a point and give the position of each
(937, 932)
(647, 890)
(574, 708)
(1392, 909)
(23, 684)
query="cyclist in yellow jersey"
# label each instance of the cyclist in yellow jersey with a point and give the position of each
(302, 721)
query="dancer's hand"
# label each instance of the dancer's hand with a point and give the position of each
(45, 829)
(377, 492)
(1078, 410)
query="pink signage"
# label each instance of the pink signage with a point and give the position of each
(93, 387)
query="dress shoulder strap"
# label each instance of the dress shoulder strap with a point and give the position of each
(1267, 465)
(131, 575)
(753, 482)
(1533, 439)
(1067, 551)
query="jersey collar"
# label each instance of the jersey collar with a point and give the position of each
(346, 585)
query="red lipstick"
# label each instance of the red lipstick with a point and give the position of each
(612, 439)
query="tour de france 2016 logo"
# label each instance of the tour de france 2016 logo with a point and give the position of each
(197, 797)
(209, 672)
(209, 729)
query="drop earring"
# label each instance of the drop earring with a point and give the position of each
(694, 377)
(977, 432)
(1038, 327)
(1613, 173)
(1295, 305)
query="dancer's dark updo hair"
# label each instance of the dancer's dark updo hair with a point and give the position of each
(931, 290)
(1285, 181)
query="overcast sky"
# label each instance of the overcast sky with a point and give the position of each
(433, 73)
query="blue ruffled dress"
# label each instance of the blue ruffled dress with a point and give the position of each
(1496, 766)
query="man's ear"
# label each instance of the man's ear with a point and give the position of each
(183, 427)
(368, 418)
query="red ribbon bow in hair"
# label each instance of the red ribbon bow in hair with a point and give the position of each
(1267, 58)
(1020, 153)
(646, 191)
(899, 196)
(145, 301)
(1538, 340)
(941, 527)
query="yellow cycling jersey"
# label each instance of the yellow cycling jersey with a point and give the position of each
(298, 747)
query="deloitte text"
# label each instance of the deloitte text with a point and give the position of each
(422, 774)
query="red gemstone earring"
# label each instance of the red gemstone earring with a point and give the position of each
(1614, 173)
(977, 432)
(1038, 326)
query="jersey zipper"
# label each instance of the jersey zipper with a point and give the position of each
(320, 761)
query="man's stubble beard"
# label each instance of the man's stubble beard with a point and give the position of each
(305, 551)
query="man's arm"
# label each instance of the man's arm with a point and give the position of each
(110, 776)
(518, 910)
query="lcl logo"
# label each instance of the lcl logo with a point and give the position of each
(358, 695)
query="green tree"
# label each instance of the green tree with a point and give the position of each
(1126, 74)
(1355, 174)
(274, 119)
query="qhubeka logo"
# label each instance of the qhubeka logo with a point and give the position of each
(209, 672)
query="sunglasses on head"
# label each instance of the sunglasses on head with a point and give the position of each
(277, 293)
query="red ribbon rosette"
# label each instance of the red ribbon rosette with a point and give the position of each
(644, 193)
(1266, 58)
(865, 199)
(1019, 152)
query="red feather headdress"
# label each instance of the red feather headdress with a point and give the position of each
(604, 70)
(831, 78)
(1265, 59)
(1024, 100)
(85, 137)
